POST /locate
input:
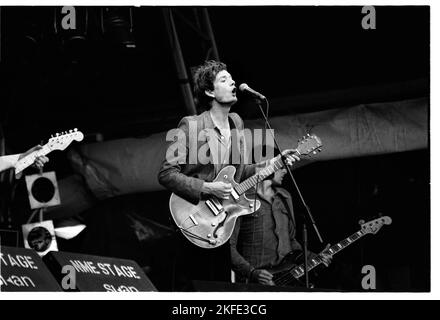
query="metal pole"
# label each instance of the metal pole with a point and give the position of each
(207, 22)
(179, 62)
(1, 39)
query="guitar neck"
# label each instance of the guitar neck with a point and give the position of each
(299, 270)
(28, 160)
(260, 176)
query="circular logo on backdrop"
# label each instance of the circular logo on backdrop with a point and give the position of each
(39, 239)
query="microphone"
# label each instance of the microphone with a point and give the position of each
(244, 87)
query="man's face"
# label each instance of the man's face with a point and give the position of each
(224, 88)
(277, 180)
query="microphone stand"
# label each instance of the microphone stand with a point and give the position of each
(309, 214)
(305, 245)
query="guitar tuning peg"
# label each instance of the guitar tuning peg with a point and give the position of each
(76, 129)
(57, 134)
(70, 131)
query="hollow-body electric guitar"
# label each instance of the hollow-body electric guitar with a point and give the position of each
(58, 142)
(210, 223)
(289, 273)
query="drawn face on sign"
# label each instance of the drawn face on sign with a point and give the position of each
(39, 239)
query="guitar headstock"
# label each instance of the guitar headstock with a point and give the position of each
(62, 141)
(309, 144)
(374, 226)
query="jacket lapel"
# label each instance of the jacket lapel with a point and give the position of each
(208, 138)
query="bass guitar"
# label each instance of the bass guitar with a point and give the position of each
(210, 223)
(288, 273)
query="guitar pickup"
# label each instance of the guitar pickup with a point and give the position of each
(234, 194)
(215, 206)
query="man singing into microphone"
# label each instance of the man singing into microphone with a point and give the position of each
(215, 94)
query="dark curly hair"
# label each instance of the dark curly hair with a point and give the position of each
(204, 77)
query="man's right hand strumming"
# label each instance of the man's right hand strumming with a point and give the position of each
(219, 189)
(262, 276)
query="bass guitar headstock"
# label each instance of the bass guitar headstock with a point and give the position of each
(374, 226)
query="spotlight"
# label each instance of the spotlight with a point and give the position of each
(117, 26)
(71, 27)
(71, 23)
(31, 27)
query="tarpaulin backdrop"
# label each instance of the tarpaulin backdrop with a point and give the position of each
(131, 165)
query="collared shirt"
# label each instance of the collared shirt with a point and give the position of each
(264, 238)
(224, 147)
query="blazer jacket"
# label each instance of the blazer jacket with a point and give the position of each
(190, 158)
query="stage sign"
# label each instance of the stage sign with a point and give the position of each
(80, 272)
(23, 270)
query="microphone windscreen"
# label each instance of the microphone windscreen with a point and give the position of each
(243, 87)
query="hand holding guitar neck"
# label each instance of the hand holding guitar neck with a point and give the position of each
(37, 155)
(325, 256)
(40, 160)
(289, 156)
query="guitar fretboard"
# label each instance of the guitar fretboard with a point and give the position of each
(258, 177)
(298, 271)
(28, 160)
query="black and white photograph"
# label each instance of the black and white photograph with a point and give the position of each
(215, 149)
